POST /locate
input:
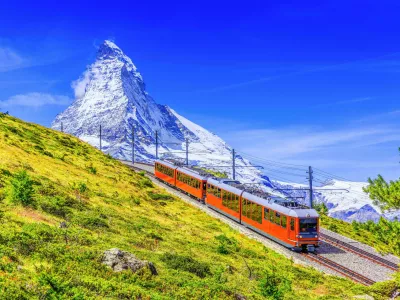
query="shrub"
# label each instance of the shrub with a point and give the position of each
(333, 227)
(187, 264)
(91, 221)
(156, 196)
(92, 169)
(56, 206)
(273, 286)
(80, 187)
(22, 188)
(226, 245)
(145, 182)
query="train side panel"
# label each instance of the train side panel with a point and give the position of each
(226, 202)
(165, 173)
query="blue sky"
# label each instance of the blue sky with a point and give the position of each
(304, 83)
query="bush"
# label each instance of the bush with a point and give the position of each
(333, 227)
(22, 188)
(226, 245)
(187, 264)
(145, 182)
(156, 196)
(274, 287)
(92, 169)
(91, 221)
(56, 206)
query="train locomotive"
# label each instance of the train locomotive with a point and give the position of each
(285, 221)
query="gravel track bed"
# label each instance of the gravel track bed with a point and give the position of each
(355, 262)
(352, 261)
(361, 246)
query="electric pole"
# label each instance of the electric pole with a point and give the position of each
(62, 127)
(133, 145)
(233, 164)
(100, 137)
(310, 180)
(187, 152)
(156, 144)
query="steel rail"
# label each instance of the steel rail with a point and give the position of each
(348, 247)
(346, 272)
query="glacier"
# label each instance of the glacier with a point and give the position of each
(112, 94)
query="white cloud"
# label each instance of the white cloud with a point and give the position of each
(10, 60)
(289, 142)
(79, 85)
(35, 100)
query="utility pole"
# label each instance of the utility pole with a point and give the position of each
(62, 127)
(187, 152)
(233, 164)
(156, 144)
(133, 145)
(310, 180)
(100, 137)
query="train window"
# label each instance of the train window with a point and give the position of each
(284, 221)
(271, 215)
(292, 224)
(277, 218)
(308, 225)
(257, 213)
(266, 213)
(244, 207)
(165, 170)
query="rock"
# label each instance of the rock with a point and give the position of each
(364, 297)
(63, 225)
(120, 260)
(239, 297)
(395, 294)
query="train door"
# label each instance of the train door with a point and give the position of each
(292, 229)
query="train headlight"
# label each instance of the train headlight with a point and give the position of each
(301, 237)
(316, 236)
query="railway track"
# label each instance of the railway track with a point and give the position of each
(346, 272)
(327, 263)
(350, 248)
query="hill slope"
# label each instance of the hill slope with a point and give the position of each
(106, 205)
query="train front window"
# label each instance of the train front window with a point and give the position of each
(308, 225)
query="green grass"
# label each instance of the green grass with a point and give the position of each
(107, 205)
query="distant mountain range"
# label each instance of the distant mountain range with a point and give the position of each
(111, 93)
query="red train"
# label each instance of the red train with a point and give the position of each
(284, 221)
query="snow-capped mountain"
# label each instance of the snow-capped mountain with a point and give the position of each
(111, 93)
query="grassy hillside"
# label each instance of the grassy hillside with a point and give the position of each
(47, 177)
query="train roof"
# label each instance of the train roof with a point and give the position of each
(191, 173)
(166, 163)
(284, 206)
(278, 204)
(226, 187)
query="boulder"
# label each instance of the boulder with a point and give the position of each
(119, 260)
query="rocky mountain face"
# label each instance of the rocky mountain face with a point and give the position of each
(111, 94)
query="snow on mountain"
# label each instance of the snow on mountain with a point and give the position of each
(111, 93)
(345, 200)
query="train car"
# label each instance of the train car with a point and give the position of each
(191, 182)
(165, 171)
(284, 221)
(224, 198)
